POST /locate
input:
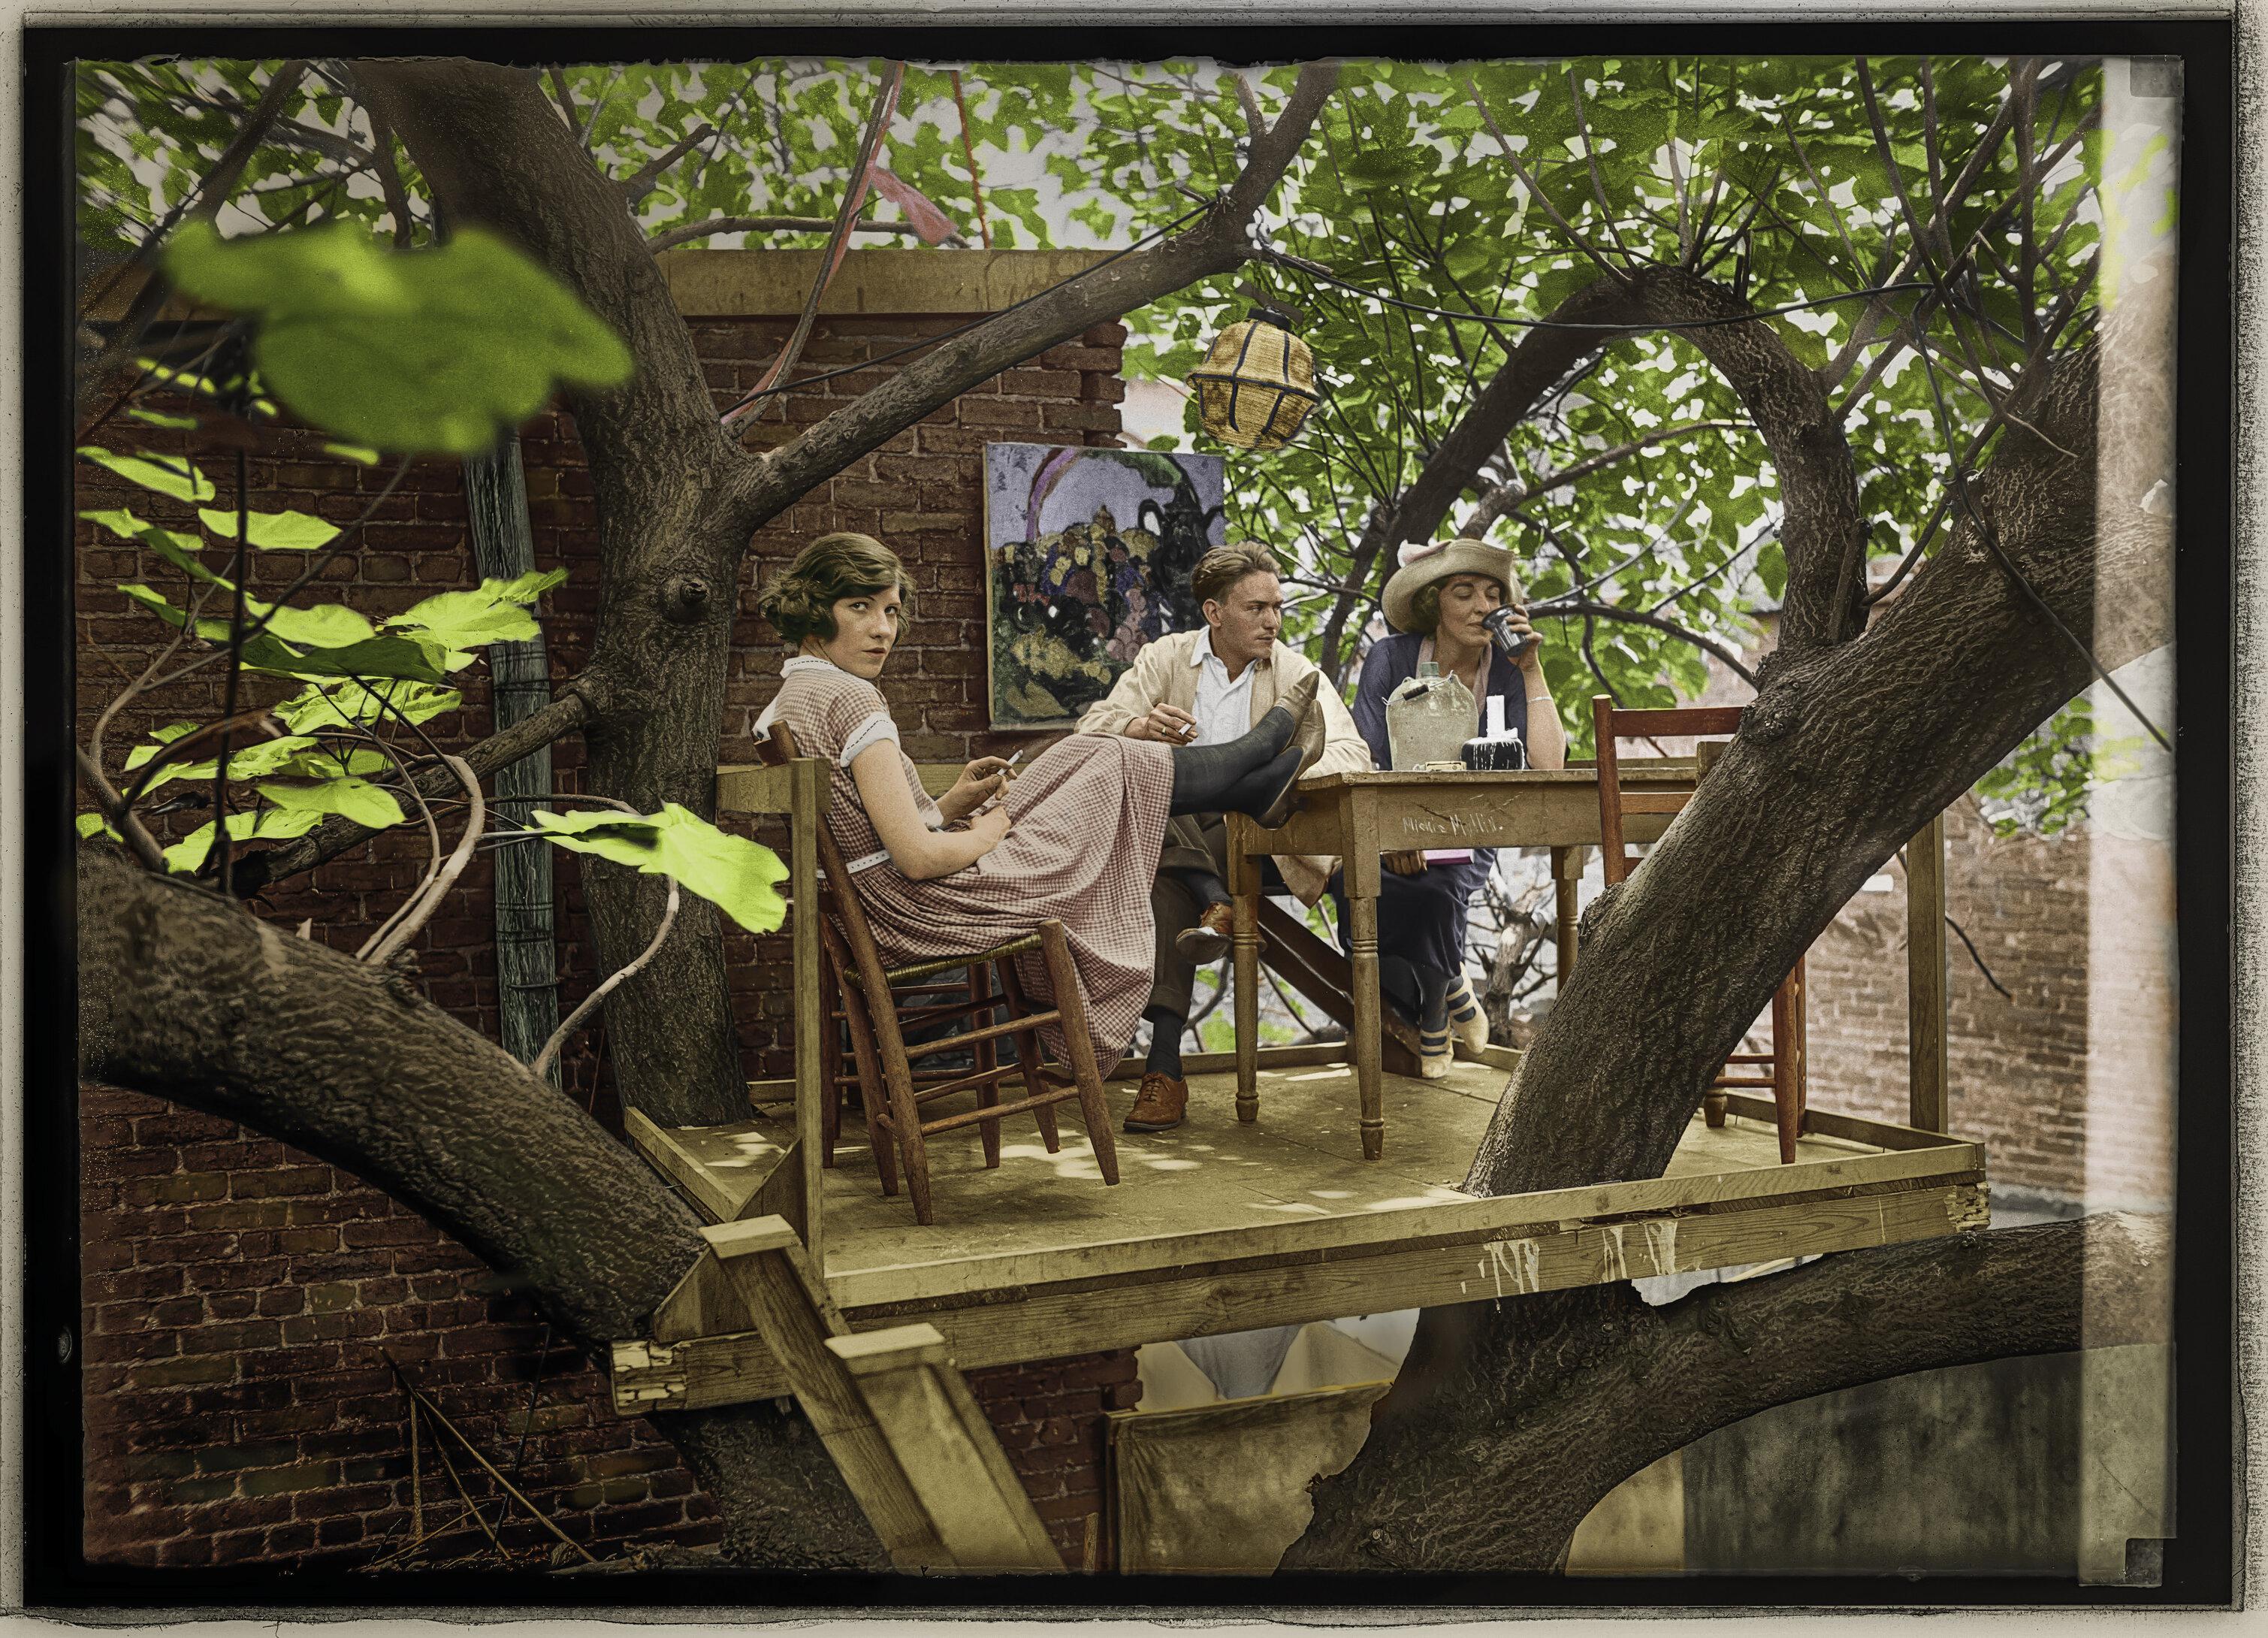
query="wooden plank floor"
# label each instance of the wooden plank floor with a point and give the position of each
(1217, 1227)
(1300, 1162)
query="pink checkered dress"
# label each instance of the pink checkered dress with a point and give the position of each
(1089, 816)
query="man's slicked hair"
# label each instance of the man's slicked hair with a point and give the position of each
(1224, 567)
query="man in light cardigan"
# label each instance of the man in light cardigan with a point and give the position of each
(1203, 688)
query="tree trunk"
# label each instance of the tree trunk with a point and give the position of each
(1558, 1397)
(184, 996)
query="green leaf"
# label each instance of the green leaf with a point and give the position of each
(159, 418)
(735, 874)
(95, 824)
(326, 626)
(274, 531)
(270, 825)
(368, 805)
(353, 452)
(432, 348)
(179, 479)
(408, 655)
(330, 705)
(462, 620)
(259, 760)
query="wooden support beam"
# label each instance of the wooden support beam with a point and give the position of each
(1082, 1315)
(728, 1172)
(947, 1449)
(807, 797)
(1324, 975)
(763, 1262)
(895, 1414)
(1927, 1091)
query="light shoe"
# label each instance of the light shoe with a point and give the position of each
(1434, 1053)
(1466, 1018)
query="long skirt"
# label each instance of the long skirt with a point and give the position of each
(1088, 817)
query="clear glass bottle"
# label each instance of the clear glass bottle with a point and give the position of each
(1428, 717)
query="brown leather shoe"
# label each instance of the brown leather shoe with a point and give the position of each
(1163, 1101)
(1209, 939)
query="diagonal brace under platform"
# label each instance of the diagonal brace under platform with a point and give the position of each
(909, 1437)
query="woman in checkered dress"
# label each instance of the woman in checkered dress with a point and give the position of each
(1074, 839)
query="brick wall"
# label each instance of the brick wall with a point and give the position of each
(1050, 1414)
(2017, 1065)
(240, 1297)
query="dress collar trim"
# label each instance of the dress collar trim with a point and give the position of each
(809, 663)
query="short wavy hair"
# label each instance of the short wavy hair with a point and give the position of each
(1224, 567)
(800, 600)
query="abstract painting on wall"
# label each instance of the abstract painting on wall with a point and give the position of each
(1087, 556)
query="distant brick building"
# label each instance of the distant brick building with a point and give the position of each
(239, 1298)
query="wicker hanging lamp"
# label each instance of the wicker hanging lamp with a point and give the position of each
(1257, 383)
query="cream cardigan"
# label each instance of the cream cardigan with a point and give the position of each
(1163, 673)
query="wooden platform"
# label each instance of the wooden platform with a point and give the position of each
(1219, 1227)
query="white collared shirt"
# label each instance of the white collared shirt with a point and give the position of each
(1223, 709)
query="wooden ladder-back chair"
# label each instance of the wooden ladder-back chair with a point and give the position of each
(889, 1088)
(1781, 1071)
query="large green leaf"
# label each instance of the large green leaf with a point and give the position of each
(269, 825)
(254, 760)
(366, 804)
(166, 474)
(290, 633)
(737, 876)
(433, 349)
(274, 531)
(331, 705)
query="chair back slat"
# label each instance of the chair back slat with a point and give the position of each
(1609, 723)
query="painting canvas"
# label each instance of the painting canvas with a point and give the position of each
(1087, 556)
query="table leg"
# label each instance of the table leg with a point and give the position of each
(1566, 881)
(1244, 950)
(1362, 953)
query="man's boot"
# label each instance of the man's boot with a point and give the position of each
(1209, 939)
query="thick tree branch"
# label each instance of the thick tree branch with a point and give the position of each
(1848, 753)
(1535, 1393)
(1214, 245)
(1537, 362)
(336, 835)
(183, 995)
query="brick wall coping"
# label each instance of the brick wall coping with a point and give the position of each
(773, 283)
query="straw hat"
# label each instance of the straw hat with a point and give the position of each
(1423, 565)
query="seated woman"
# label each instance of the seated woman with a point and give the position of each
(1074, 839)
(1436, 602)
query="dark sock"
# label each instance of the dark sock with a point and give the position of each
(1165, 1057)
(1204, 886)
(1257, 790)
(1204, 774)
(1432, 999)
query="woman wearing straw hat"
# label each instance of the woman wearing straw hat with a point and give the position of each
(1437, 602)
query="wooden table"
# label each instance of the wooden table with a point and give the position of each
(1357, 817)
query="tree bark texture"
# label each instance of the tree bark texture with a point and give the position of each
(1839, 760)
(1558, 1396)
(677, 501)
(494, 151)
(184, 996)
